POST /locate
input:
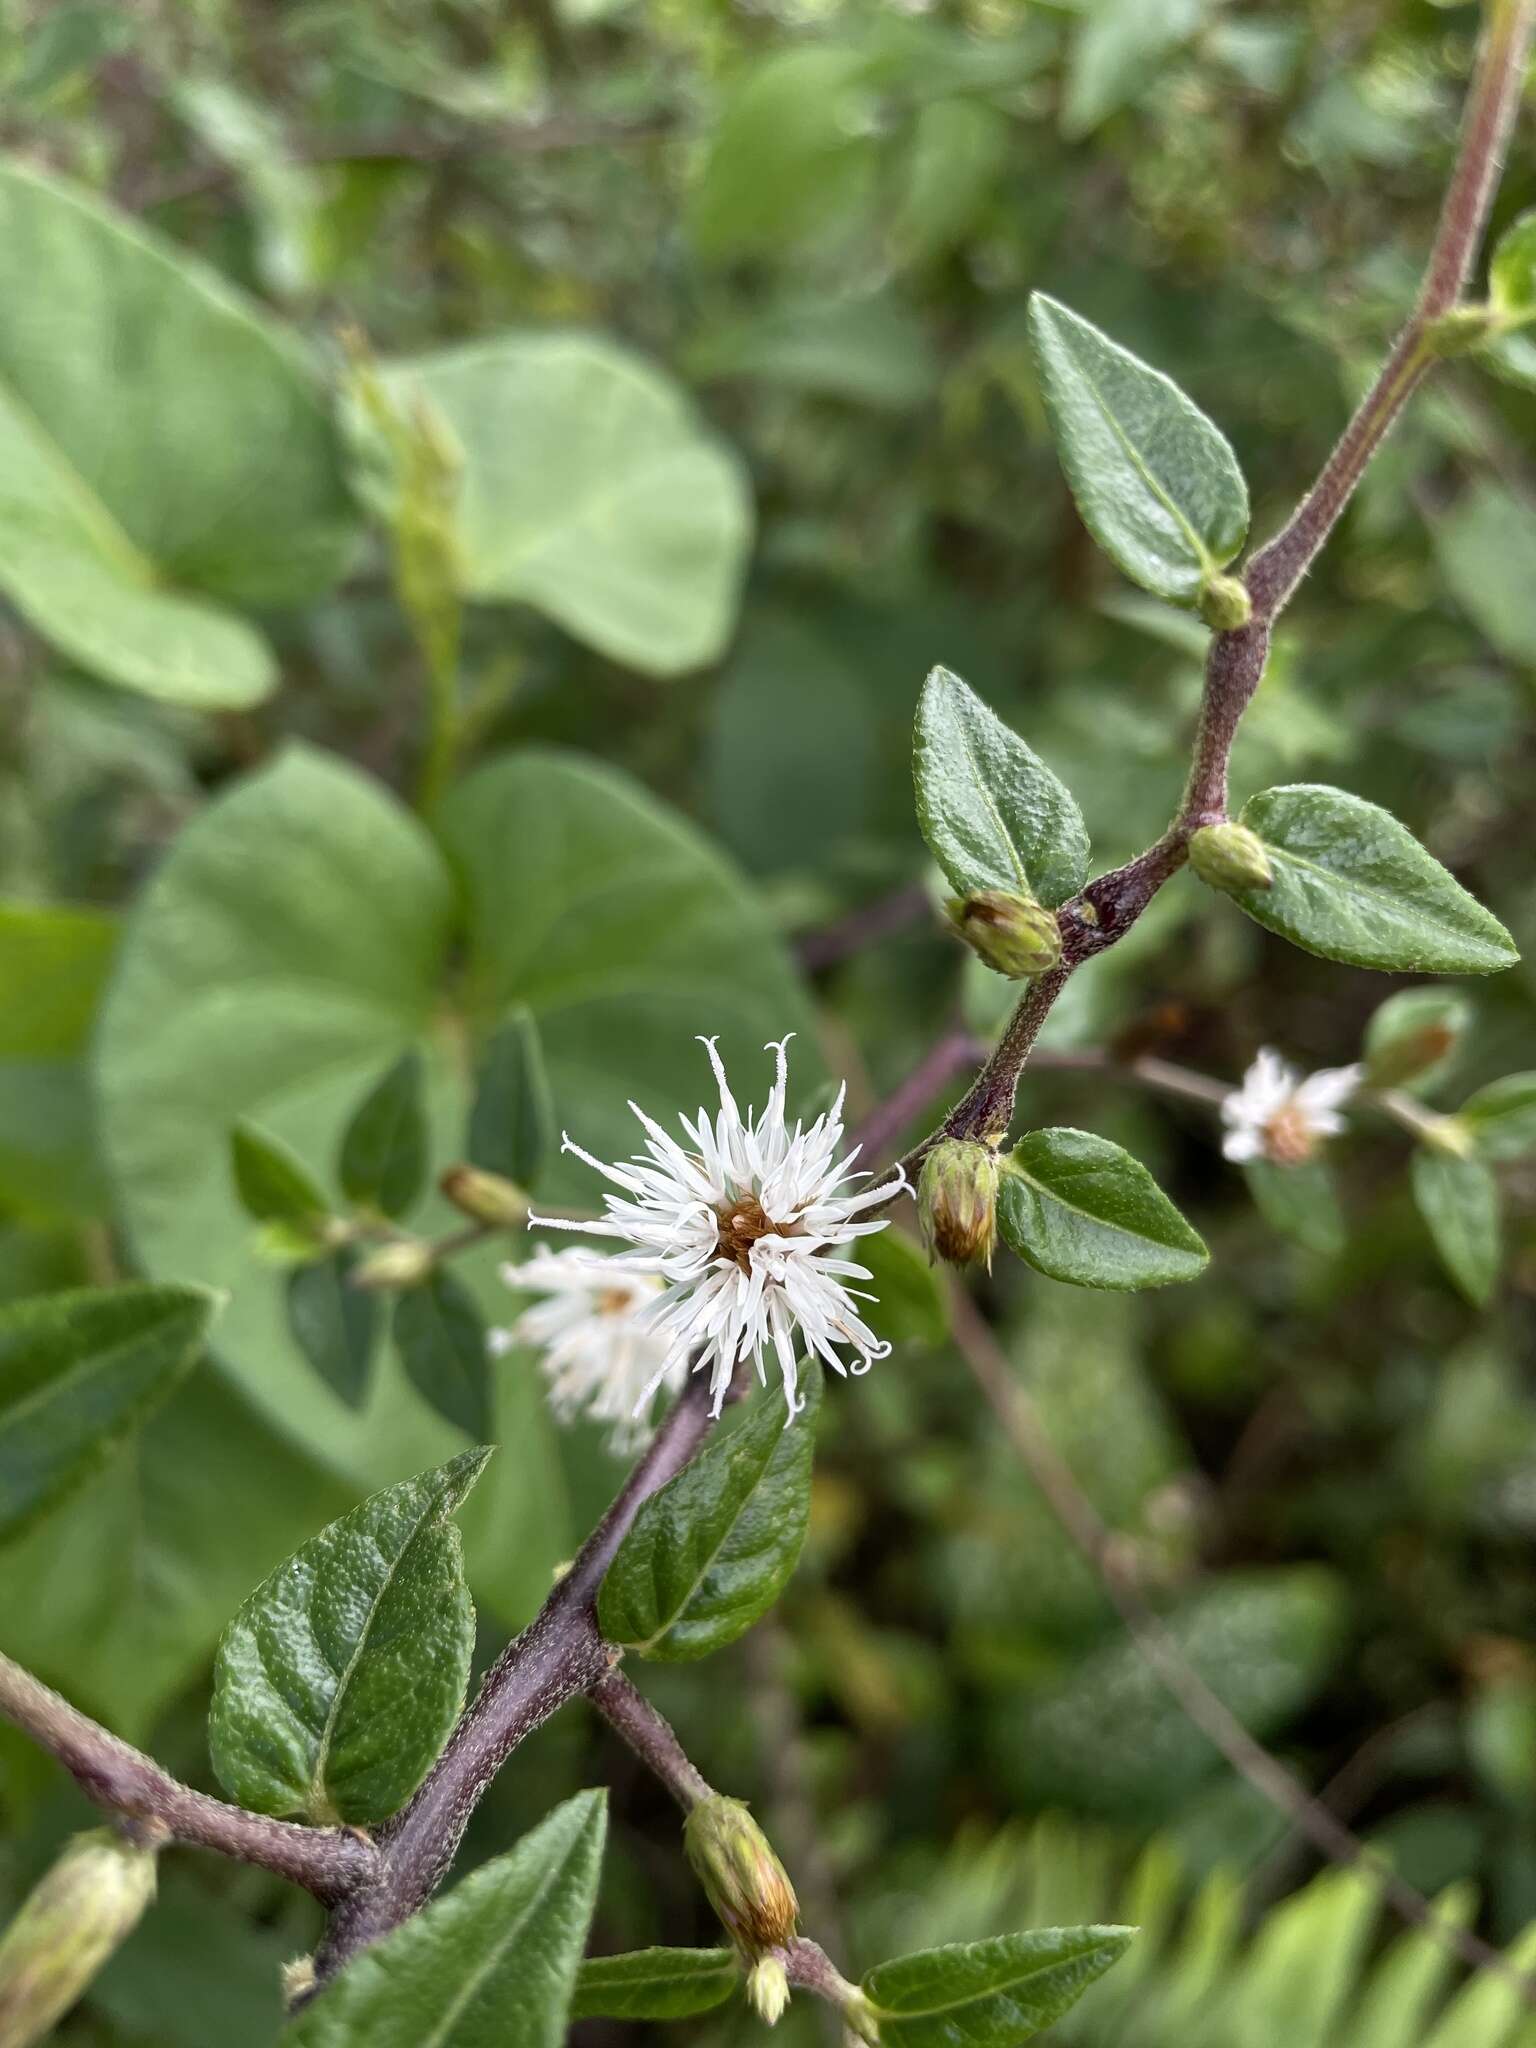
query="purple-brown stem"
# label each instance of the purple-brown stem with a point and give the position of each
(651, 1736)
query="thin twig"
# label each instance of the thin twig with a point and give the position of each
(871, 922)
(1025, 1429)
(945, 1058)
(651, 1736)
(326, 1861)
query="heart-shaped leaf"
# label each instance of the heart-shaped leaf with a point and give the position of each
(491, 1964)
(164, 451)
(335, 1324)
(384, 1150)
(655, 1984)
(512, 1121)
(989, 1994)
(993, 814)
(591, 491)
(710, 1553)
(342, 1675)
(440, 1335)
(1350, 883)
(1157, 485)
(78, 1374)
(1083, 1210)
(1459, 1201)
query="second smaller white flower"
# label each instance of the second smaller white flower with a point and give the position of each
(1280, 1114)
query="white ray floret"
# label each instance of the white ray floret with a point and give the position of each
(1280, 1115)
(745, 1226)
(599, 1354)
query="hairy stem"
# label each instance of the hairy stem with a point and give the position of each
(652, 1738)
(329, 1862)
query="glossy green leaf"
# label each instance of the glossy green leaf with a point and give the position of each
(79, 1373)
(53, 965)
(990, 1994)
(335, 1324)
(993, 814)
(1459, 1201)
(384, 1150)
(512, 1120)
(1300, 1201)
(1083, 1210)
(133, 508)
(1156, 484)
(709, 1554)
(342, 1675)
(1413, 1036)
(655, 1984)
(440, 1335)
(592, 491)
(1352, 884)
(1512, 268)
(272, 1182)
(491, 1964)
(1502, 1117)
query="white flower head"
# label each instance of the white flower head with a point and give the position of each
(744, 1227)
(599, 1354)
(1279, 1115)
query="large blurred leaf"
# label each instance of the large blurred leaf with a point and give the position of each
(78, 1374)
(1485, 545)
(591, 491)
(1117, 52)
(491, 1964)
(53, 962)
(340, 1678)
(161, 445)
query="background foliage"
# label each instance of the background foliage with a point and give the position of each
(779, 254)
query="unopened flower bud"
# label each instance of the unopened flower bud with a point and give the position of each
(768, 1990)
(485, 1197)
(394, 1267)
(1230, 857)
(957, 1201)
(743, 1879)
(1224, 603)
(84, 1908)
(1013, 934)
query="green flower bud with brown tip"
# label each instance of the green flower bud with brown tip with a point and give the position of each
(82, 1911)
(743, 1879)
(1013, 934)
(485, 1197)
(957, 1201)
(1224, 603)
(394, 1267)
(1230, 857)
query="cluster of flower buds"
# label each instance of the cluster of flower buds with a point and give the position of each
(1011, 932)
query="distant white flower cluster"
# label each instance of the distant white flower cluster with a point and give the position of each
(1280, 1115)
(735, 1248)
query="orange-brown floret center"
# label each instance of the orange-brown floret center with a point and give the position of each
(741, 1222)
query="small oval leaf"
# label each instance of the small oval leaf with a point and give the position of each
(1156, 483)
(383, 1158)
(341, 1676)
(990, 1994)
(1352, 884)
(993, 814)
(440, 1335)
(512, 1122)
(335, 1324)
(1459, 1201)
(1083, 1210)
(710, 1553)
(655, 1984)
(1502, 1117)
(273, 1184)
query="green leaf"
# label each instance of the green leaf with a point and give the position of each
(1299, 1201)
(439, 1333)
(272, 1182)
(1484, 545)
(335, 1324)
(1156, 484)
(990, 1994)
(1512, 268)
(1117, 52)
(384, 1151)
(909, 1304)
(592, 491)
(79, 1373)
(512, 1121)
(342, 1675)
(655, 1984)
(709, 1554)
(1413, 1036)
(53, 966)
(1083, 1210)
(960, 149)
(1459, 1201)
(1352, 884)
(993, 814)
(164, 451)
(1502, 1117)
(492, 1964)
